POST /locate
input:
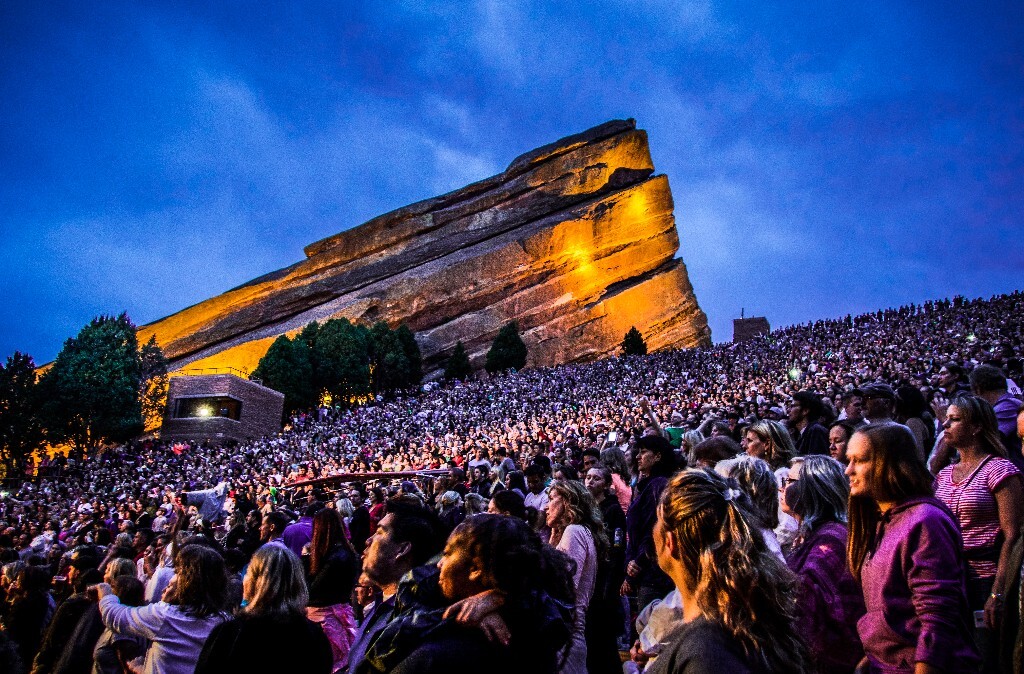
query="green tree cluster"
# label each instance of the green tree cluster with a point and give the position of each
(633, 343)
(341, 359)
(507, 351)
(95, 390)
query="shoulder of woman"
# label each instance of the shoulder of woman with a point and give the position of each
(230, 626)
(930, 516)
(998, 469)
(578, 531)
(657, 483)
(702, 646)
(829, 533)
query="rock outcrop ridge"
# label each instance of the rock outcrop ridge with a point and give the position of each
(576, 240)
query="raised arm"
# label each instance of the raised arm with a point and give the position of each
(143, 621)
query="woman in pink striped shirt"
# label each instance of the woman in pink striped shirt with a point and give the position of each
(985, 492)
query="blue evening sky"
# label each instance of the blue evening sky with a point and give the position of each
(824, 157)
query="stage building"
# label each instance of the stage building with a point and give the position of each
(221, 406)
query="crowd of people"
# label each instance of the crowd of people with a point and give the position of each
(843, 495)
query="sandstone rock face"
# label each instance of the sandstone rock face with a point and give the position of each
(575, 240)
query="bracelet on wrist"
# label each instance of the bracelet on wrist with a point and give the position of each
(998, 596)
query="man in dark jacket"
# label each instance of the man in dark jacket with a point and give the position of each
(804, 414)
(408, 536)
(359, 525)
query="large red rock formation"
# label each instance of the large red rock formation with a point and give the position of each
(575, 240)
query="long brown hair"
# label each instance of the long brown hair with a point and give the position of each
(738, 582)
(779, 444)
(584, 511)
(897, 474)
(328, 531)
(201, 581)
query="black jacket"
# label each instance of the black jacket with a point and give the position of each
(334, 581)
(266, 644)
(359, 528)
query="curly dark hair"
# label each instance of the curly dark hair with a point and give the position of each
(666, 463)
(513, 556)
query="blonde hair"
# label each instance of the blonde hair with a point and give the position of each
(779, 443)
(275, 583)
(582, 509)
(120, 566)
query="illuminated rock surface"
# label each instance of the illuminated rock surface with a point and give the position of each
(575, 240)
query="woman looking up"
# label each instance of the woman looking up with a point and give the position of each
(577, 530)
(271, 633)
(905, 549)
(985, 494)
(737, 596)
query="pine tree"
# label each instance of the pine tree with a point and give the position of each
(341, 360)
(507, 351)
(633, 343)
(458, 367)
(389, 367)
(412, 354)
(153, 393)
(288, 369)
(21, 431)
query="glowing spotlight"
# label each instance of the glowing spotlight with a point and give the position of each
(795, 373)
(204, 411)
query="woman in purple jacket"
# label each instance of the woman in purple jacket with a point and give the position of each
(905, 549)
(829, 600)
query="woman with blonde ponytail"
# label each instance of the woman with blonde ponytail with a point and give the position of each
(738, 598)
